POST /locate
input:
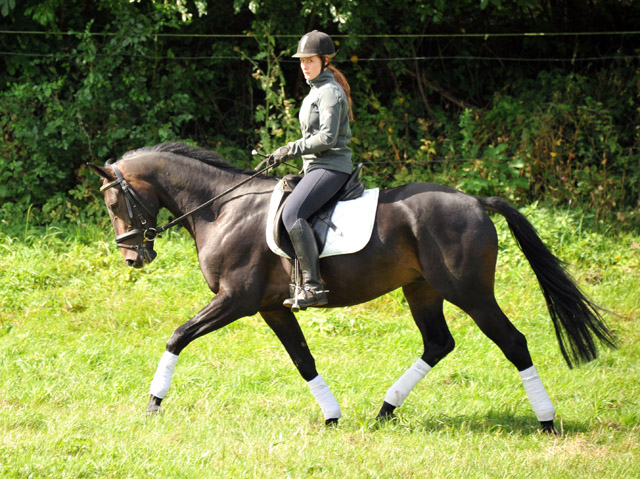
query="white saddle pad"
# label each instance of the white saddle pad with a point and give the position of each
(354, 220)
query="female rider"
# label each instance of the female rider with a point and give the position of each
(324, 121)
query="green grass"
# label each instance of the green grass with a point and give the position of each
(81, 335)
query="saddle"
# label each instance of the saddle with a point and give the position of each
(321, 220)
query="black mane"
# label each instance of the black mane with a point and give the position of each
(206, 156)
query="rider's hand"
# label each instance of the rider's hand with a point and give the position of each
(279, 156)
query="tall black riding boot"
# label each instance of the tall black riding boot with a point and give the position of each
(312, 292)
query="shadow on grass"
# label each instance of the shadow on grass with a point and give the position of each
(493, 422)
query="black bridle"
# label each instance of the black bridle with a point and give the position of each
(137, 209)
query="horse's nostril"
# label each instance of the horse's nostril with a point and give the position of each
(130, 262)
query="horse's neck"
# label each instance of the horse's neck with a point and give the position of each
(185, 184)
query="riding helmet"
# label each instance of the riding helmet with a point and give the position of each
(315, 43)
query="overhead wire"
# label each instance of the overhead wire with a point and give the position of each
(371, 35)
(353, 59)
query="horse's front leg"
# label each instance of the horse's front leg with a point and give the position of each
(286, 326)
(222, 310)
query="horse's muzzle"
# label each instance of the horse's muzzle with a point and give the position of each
(144, 256)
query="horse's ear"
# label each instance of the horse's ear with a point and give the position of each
(106, 173)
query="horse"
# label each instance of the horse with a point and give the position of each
(436, 243)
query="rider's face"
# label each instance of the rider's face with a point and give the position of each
(311, 67)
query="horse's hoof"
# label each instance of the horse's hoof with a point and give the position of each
(154, 405)
(333, 422)
(153, 410)
(386, 412)
(386, 417)
(548, 428)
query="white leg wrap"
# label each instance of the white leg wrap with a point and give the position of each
(162, 378)
(324, 396)
(403, 386)
(538, 397)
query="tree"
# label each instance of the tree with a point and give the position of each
(502, 113)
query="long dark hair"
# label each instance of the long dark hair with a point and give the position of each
(342, 81)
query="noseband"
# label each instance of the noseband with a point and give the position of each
(136, 210)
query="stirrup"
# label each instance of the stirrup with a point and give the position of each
(305, 297)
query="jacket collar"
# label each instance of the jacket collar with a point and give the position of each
(324, 77)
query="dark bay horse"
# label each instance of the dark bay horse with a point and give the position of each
(434, 242)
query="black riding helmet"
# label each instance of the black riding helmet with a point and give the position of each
(316, 43)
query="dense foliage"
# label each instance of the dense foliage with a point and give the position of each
(552, 117)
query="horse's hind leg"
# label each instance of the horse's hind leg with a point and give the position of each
(426, 307)
(287, 329)
(495, 324)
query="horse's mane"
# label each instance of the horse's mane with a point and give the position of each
(206, 156)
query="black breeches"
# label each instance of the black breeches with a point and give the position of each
(314, 190)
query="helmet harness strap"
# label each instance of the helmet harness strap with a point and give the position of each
(325, 63)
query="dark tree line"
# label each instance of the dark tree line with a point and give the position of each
(468, 93)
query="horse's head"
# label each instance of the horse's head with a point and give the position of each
(133, 208)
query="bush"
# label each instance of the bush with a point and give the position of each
(563, 132)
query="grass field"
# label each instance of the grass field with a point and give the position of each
(81, 335)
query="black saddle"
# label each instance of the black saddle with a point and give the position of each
(321, 220)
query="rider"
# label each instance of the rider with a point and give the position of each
(324, 121)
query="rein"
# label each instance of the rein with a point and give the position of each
(134, 204)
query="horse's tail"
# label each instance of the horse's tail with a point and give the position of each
(575, 318)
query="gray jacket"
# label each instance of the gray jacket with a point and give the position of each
(324, 121)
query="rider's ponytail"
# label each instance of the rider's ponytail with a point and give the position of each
(342, 81)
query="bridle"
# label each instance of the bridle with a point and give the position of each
(136, 210)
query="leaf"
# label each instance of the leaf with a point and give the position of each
(518, 163)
